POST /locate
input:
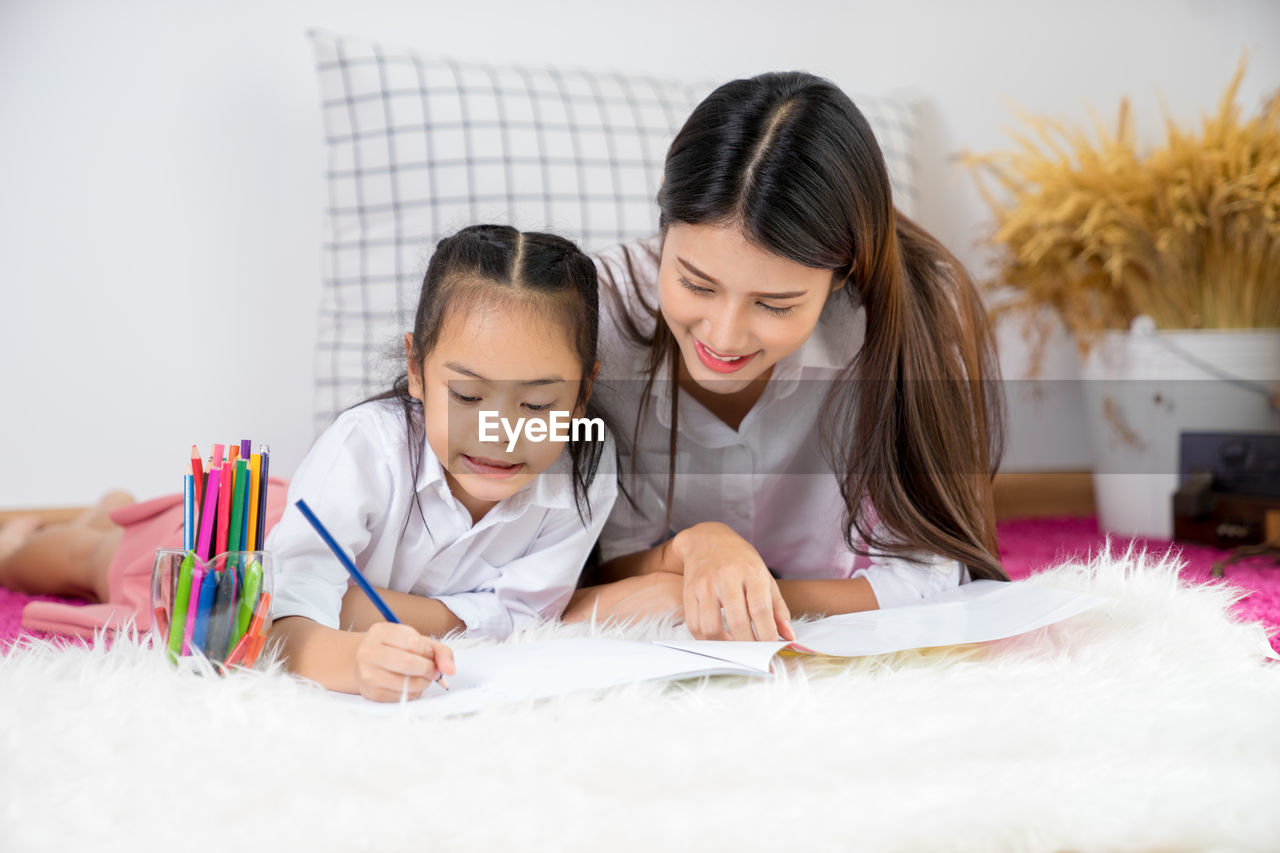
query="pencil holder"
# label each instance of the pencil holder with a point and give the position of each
(219, 608)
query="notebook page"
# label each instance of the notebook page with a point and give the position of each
(971, 613)
(488, 676)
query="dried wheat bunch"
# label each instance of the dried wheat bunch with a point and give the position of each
(1189, 233)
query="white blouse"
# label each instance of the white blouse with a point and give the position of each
(517, 565)
(767, 479)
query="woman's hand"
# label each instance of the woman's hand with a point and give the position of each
(395, 660)
(654, 594)
(723, 571)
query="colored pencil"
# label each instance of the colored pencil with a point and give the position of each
(181, 600)
(197, 472)
(255, 631)
(246, 643)
(188, 511)
(193, 607)
(237, 505)
(233, 453)
(208, 513)
(265, 452)
(355, 573)
(204, 610)
(245, 446)
(252, 585)
(237, 653)
(243, 497)
(251, 657)
(222, 614)
(346, 562)
(255, 484)
(224, 507)
(161, 620)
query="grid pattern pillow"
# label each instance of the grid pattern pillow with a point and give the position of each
(419, 146)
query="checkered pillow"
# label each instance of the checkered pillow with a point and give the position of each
(420, 146)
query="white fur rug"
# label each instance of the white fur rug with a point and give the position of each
(1149, 724)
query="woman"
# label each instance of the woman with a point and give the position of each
(798, 376)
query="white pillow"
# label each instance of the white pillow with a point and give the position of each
(419, 146)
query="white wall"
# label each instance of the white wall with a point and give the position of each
(160, 179)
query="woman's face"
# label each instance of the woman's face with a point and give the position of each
(734, 308)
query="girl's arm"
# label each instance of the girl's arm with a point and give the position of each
(318, 653)
(429, 616)
(662, 557)
(385, 663)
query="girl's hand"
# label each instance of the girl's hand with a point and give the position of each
(723, 571)
(395, 660)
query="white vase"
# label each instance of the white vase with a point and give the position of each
(1143, 388)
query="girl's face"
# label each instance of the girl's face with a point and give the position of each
(734, 308)
(504, 359)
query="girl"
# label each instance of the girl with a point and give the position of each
(495, 534)
(459, 532)
(800, 376)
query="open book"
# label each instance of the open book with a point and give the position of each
(971, 613)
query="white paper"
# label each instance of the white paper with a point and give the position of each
(497, 675)
(975, 612)
(971, 613)
(753, 653)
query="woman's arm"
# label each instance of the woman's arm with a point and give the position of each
(807, 597)
(429, 616)
(728, 593)
(827, 597)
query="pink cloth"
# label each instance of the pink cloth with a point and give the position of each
(149, 525)
(1026, 546)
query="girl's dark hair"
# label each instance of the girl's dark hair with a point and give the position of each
(486, 265)
(914, 427)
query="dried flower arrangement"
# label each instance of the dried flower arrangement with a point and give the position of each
(1188, 234)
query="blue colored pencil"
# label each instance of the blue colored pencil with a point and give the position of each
(347, 563)
(204, 609)
(188, 511)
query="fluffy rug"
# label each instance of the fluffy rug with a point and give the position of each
(1029, 545)
(1151, 723)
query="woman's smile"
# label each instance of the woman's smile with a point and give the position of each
(718, 362)
(716, 285)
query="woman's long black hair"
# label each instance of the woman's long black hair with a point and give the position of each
(914, 427)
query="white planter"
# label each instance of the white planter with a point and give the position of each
(1143, 388)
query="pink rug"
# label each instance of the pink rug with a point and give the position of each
(1026, 547)
(1030, 545)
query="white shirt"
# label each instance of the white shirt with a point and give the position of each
(767, 479)
(516, 565)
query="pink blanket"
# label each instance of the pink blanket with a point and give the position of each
(1026, 546)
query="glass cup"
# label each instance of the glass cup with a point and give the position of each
(219, 608)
